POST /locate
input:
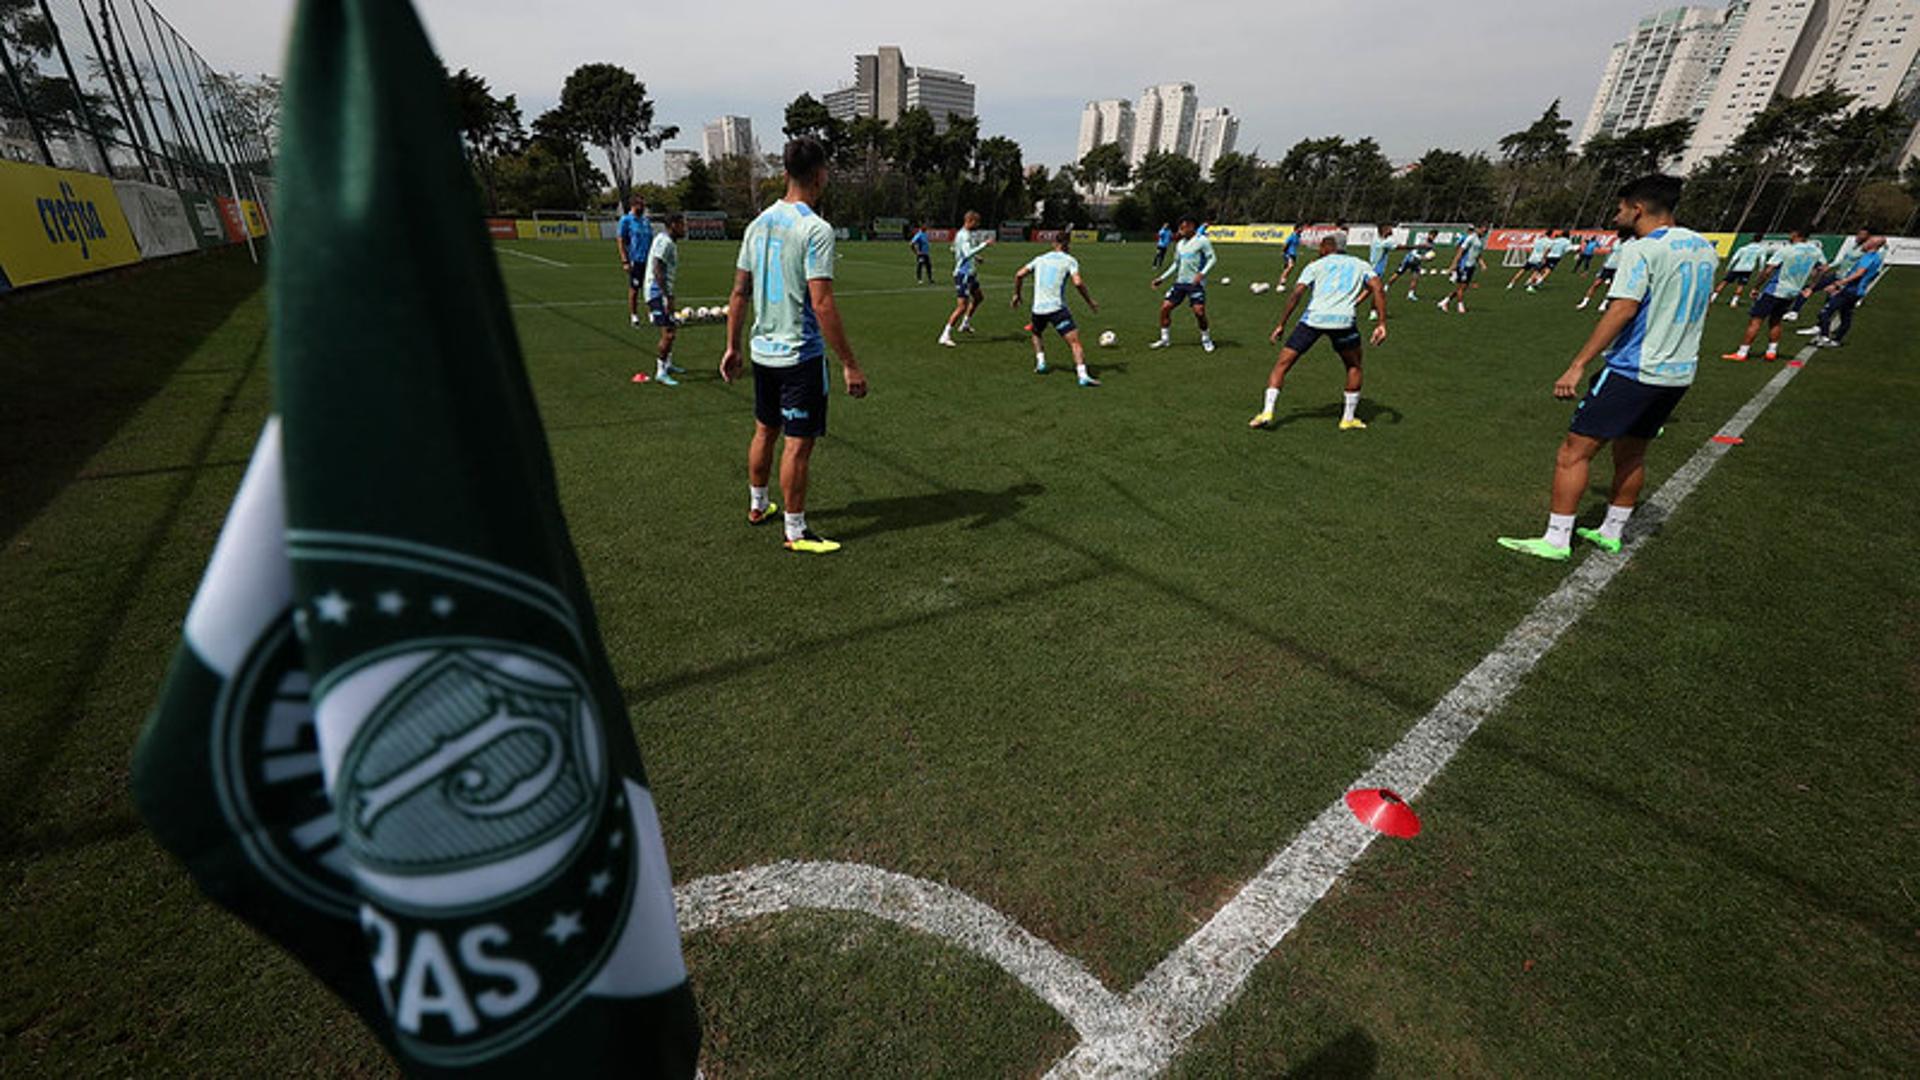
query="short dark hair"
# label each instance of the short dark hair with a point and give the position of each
(804, 157)
(1186, 218)
(675, 218)
(636, 199)
(1655, 191)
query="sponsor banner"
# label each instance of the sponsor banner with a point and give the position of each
(610, 230)
(841, 232)
(888, 226)
(1508, 239)
(203, 214)
(565, 229)
(256, 221)
(159, 218)
(1086, 236)
(940, 236)
(1115, 237)
(232, 218)
(1903, 251)
(501, 228)
(712, 227)
(1011, 234)
(55, 224)
(1047, 236)
(4, 283)
(1249, 234)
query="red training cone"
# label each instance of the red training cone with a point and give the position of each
(1383, 810)
(641, 377)
(1796, 363)
(1729, 440)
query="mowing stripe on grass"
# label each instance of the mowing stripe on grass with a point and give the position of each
(536, 258)
(837, 293)
(1191, 987)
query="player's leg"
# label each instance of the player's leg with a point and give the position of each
(953, 318)
(974, 296)
(1350, 399)
(663, 355)
(1276, 381)
(1039, 347)
(1629, 476)
(1166, 324)
(1773, 333)
(1571, 464)
(760, 473)
(1072, 334)
(633, 303)
(803, 400)
(1755, 320)
(1206, 328)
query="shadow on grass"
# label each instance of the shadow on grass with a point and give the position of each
(1372, 412)
(1354, 1054)
(79, 362)
(977, 508)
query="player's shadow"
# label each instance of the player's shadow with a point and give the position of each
(1354, 1054)
(1369, 411)
(977, 508)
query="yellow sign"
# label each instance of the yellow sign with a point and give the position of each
(256, 221)
(55, 224)
(1722, 242)
(1249, 234)
(1086, 236)
(561, 229)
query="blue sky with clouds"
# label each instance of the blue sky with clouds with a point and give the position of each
(1451, 73)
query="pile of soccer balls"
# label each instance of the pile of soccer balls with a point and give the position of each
(699, 314)
(1259, 287)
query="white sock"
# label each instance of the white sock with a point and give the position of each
(660, 366)
(1772, 349)
(1616, 522)
(1039, 360)
(1082, 370)
(1206, 335)
(966, 323)
(946, 332)
(1559, 529)
(1273, 398)
(1742, 351)
(797, 525)
(1165, 334)
(757, 497)
(1352, 402)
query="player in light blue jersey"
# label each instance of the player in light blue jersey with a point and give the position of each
(1379, 250)
(785, 271)
(1411, 263)
(1604, 276)
(1193, 258)
(1845, 294)
(1050, 273)
(634, 238)
(1786, 276)
(1746, 259)
(1338, 281)
(663, 269)
(1467, 260)
(1840, 267)
(1651, 338)
(969, 247)
(1536, 261)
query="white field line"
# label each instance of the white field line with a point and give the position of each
(1193, 985)
(838, 294)
(543, 260)
(1140, 1033)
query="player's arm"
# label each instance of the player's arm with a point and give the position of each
(736, 318)
(1206, 265)
(1378, 290)
(1613, 322)
(1019, 286)
(1293, 301)
(1818, 269)
(1080, 283)
(658, 271)
(1848, 280)
(620, 245)
(827, 313)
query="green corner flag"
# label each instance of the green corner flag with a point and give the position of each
(390, 739)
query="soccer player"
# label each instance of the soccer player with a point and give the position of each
(634, 237)
(1605, 274)
(663, 266)
(1844, 295)
(1741, 267)
(1378, 252)
(1587, 247)
(1291, 253)
(922, 254)
(1651, 338)
(1466, 260)
(786, 271)
(1841, 266)
(1556, 250)
(1193, 257)
(1050, 273)
(1785, 277)
(1410, 264)
(1536, 258)
(1338, 281)
(968, 243)
(1161, 243)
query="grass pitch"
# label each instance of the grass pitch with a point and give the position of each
(1091, 656)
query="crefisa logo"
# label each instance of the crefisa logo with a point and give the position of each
(69, 220)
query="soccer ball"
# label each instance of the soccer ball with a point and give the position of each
(1108, 338)
(1226, 281)
(683, 314)
(704, 313)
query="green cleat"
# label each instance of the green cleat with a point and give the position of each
(1592, 536)
(1537, 547)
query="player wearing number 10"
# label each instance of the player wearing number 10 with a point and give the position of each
(1651, 336)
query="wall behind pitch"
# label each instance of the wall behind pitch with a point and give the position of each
(55, 224)
(159, 218)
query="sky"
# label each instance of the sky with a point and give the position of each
(1456, 74)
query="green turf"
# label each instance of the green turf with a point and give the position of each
(1091, 656)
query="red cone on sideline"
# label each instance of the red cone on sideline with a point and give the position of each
(641, 377)
(1382, 809)
(1729, 440)
(1796, 363)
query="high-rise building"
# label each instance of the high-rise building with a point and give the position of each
(1214, 132)
(1102, 122)
(945, 94)
(728, 136)
(1163, 121)
(1655, 75)
(677, 163)
(884, 87)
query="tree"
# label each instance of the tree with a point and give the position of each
(696, 191)
(807, 116)
(604, 105)
(1231, 187)
(1003, 177)
(1446, 185)
(1544, 140)
(1061, 205)
(1778, 143)
(1168, 186)
(1106, 167)
(1883, 206)
(489, 127)
(1862, 145)
(546, 175)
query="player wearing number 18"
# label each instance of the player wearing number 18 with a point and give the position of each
(1651, 337)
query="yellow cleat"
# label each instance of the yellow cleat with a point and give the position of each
(1355, 424)
(1264, 420)
(761, 517)
(812, 544)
